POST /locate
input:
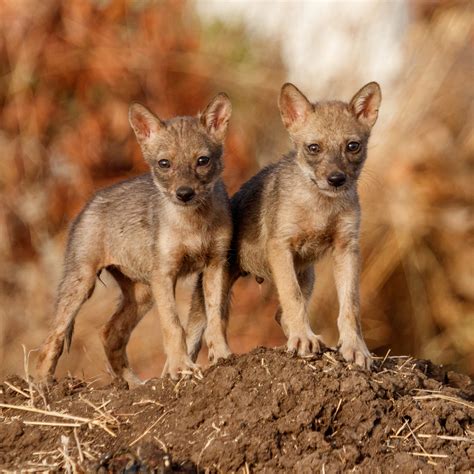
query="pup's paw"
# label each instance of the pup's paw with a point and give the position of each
(43, 385)
(44, 376)
(131, 378)
(304, 343)
(43, 382)
(179, 366)
(354, 350)
(218, 352)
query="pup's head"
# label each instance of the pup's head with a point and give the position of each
(330, 137)
(184, 153)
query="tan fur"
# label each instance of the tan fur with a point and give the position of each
(148, 235)
(291, 213)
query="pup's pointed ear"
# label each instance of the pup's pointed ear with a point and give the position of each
(144, 123)
(365, 104)
(216, 116)
(294, 106)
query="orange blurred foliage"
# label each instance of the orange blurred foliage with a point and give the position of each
(68, 73)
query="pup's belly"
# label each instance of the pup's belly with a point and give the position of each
(136, 267)
(253, 259)
(306, 250)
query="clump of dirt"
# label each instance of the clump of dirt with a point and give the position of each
(263, 411)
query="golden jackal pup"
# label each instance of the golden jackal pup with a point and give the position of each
(147, 232)
(293, 211)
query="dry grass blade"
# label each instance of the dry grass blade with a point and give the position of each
(16, 389)
(404, 363)
(26, 364)
(430, 455)
(447, 437)
(414, 430)
(265, 366)
(69, 463)
(150, 428)
(161, 443)
(400, 429)
(78, 444)
(52, 423)
(59, 415)
(145, 402)
(330, 358)
(426, 390)
(425, 454)
(385, 358)
(46, 412)
(337, 409)
(208, 443)
(198, 374)
(440, 396)
(390, 357)
(99, 410)
(38, 468)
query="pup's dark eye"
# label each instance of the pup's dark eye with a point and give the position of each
(164, 163)
(353, 147)
(203, 160)
(314, 148)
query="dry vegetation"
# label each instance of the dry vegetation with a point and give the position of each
(265, 411)
(68, 72)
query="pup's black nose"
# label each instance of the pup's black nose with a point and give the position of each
(185, 193)
(336, 179)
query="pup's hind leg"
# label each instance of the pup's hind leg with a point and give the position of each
(136, 301)
(198, 318)
(197, 321)
(75, 288)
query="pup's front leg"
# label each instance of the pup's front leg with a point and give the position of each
(216, 293)
(294, 318)
(163, 287)
(346, 272)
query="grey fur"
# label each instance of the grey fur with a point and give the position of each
(288, 215)
(147, 237)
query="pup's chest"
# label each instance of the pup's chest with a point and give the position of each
(192, 248)
(311, 240)
(195, 254)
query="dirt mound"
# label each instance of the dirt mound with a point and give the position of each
(264, 411)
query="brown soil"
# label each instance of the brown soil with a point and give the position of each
(263, 411)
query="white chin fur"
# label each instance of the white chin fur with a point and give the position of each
(332, 192)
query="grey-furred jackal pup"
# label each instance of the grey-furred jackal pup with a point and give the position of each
(293, 211)
(147, 232)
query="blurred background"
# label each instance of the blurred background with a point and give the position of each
(68, 71)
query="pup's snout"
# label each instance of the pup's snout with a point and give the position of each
(185, 193)
(336, 179)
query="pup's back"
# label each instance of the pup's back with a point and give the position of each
(252, 205)
(118, 226)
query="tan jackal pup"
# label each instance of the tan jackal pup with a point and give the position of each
(293, 211)
(149, 231)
